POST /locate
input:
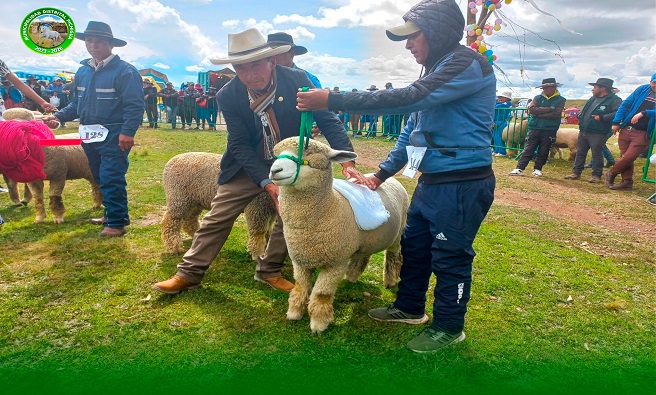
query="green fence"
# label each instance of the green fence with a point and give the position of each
(650, 151)
(514, 135)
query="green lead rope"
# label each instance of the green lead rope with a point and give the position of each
(305, 133)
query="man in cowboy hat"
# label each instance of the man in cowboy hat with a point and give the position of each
(253, 130)
(287, 58)
(595, 123)
(546, 110)
(110, 105)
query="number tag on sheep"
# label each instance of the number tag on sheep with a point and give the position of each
(322, 232)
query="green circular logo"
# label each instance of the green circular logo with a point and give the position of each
(47, 31)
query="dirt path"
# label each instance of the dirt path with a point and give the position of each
(577, 213)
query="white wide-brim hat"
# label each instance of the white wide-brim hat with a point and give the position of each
(506, 94)
(249, 46)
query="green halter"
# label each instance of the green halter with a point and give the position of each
(304, 133)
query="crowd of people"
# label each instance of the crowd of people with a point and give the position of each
(445, 138)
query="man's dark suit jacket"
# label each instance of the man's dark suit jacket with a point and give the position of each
(245, 149)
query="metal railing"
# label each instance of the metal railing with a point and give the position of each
(650, 151)
(509, 130)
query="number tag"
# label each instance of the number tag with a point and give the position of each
(415, 155)
(93, 133)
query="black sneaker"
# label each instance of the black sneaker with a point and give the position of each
(392, 314)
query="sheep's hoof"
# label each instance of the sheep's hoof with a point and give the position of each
(39, 220)
(294, 315)
(59, 220)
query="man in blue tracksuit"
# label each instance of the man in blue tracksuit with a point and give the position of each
(448, 140)
(110, 105)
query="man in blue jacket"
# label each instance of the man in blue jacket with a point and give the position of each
(635, 122)
(253, 130)
(110, 106)
(447, 139)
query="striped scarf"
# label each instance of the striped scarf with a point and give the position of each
(261, 102)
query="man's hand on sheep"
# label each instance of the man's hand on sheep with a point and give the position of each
(314, 99)
(273, 191)
(51, 121)
(47, 107)
(125, 142)
(352, 174)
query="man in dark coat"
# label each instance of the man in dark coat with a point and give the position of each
(259, 109)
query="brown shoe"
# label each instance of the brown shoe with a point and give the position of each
(610, 179)
(573, 176)
(625, 184)
(97, 221)
(595, 180)
(175, 285)
(277, 282)
(112, 232)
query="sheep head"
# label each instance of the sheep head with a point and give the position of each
(317, 166)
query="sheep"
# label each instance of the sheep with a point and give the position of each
(514, 135)
(322, 233)
(190, 184)
(61, 163)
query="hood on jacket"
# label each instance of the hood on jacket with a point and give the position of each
(442, 23)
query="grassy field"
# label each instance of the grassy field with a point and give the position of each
(561, 303)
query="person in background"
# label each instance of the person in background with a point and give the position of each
(110, 105)
(212, 107)
(28, 103)
(595, 128)
(372, 119)
(502, 115)
(188, 106)
(202, 114)
(447, 139)
(546, 110)
(170, 100)
(635, 125)
(287, 59)
(150, 97)
(354, 120)
(7, 78)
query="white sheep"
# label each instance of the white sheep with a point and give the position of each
(190, 184)
(514, 135)
(322, 233)
(61, 163)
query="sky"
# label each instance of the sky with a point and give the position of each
(346, 41)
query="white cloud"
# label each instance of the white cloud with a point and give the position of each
(194, 68)
(161, 66)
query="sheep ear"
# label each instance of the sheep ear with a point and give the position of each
(341, 156)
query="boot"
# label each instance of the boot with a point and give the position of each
(625, 184)
(610, 179)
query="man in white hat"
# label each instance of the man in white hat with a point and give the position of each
(501, 116)
(252, 133)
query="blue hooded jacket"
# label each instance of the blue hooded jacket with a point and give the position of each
(452, 105)
(630, 106)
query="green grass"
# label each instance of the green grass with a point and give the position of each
(77, 314)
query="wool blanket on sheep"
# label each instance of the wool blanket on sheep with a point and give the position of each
(21, 155)
(367, 206)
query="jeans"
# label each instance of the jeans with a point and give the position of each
(108, 166)
(443, 220)
(593, 142)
